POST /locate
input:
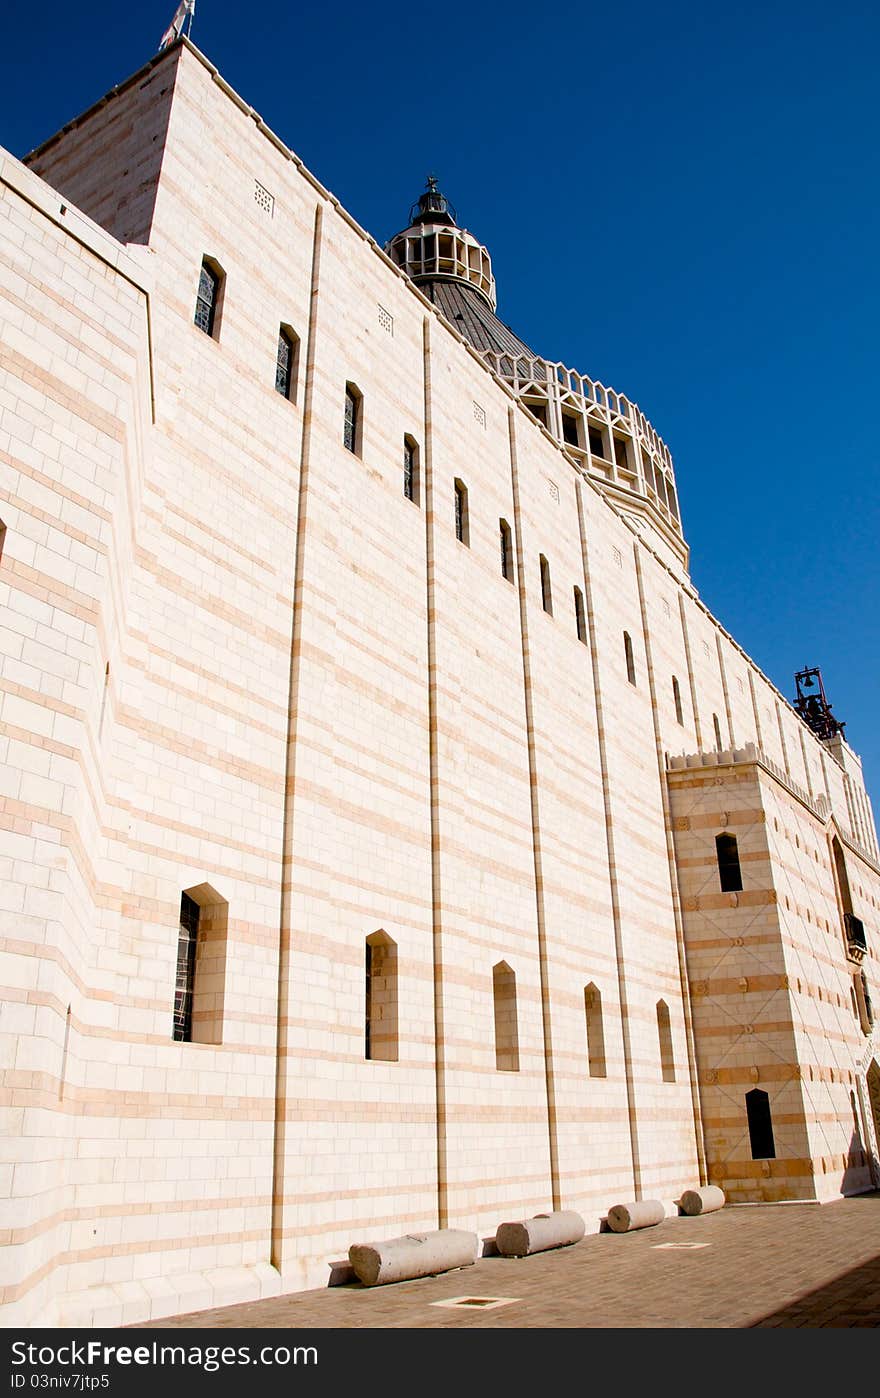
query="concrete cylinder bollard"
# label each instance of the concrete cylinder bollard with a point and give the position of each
(536, 1234)
(702, 1201)
(416, 1255)
(623, 1218)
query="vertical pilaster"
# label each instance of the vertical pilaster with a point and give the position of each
(683, 977)
(287, 856)
(549, 1068)
(622, 996)
(436, 881)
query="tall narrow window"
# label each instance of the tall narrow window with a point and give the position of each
(352, 427)
(571, 428)
(864, 1008)
(380, 1009)
(2, 538)
(184, 984)
(597, 446)
(628, 654)
(506, 550)
(580, 618)
(673, 502)
(760, 1125)
(664, 1031)
(729, 872)
(411, 469)
(506, 1028)
(718, 743)
(462, 523)
(676, 695)
(286, 357)
(595, 1031)
(200, 981)
(207, 316)
(546, 593)
(620, 453)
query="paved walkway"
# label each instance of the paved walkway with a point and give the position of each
(750, 1266)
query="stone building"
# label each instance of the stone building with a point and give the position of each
(392, 838)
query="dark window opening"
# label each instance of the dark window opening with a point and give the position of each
(580, 618)
(729, 872)
(462, 523)
(285, 364)
(506, 550)
(546, 593)
(630, 659)
(411, 470)
(597, 446)
(351, 432)
(208, 298)
(718, 743)
(571, 429)
(648, 468)
(184, 985)
(621, 455)
(673, 502)
(539, 411)
(676, 695)
(760, 1125)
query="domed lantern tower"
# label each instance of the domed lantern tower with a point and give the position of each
(433, 247)
(602, 430)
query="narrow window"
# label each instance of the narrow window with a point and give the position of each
(506, 550)
(648, 469)
(664, 1031)
(2, 538)
(718, 743)
(864, 1008)
(207, 316)
(729, 872)
(184, 984)
(546, 594)
(200, 982)
(673, 502)
(571, 429)
(462, 524)
(380, 1009)
(286, 363)
(580, 618)
(597, 446)
(630, 661)
(760, 1125)
(595, 1031)
(676, 695)
(620, 453)
(506, 1030)
(411, 469)
(538, 410)
(351, 434)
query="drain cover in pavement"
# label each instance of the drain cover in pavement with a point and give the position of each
(476, 1303)
(657, 1246)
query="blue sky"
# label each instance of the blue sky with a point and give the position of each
(680, 201)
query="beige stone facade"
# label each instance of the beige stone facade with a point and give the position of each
(240, 665)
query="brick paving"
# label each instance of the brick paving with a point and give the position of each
(755, 1266)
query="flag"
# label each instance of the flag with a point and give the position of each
(186, 7)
